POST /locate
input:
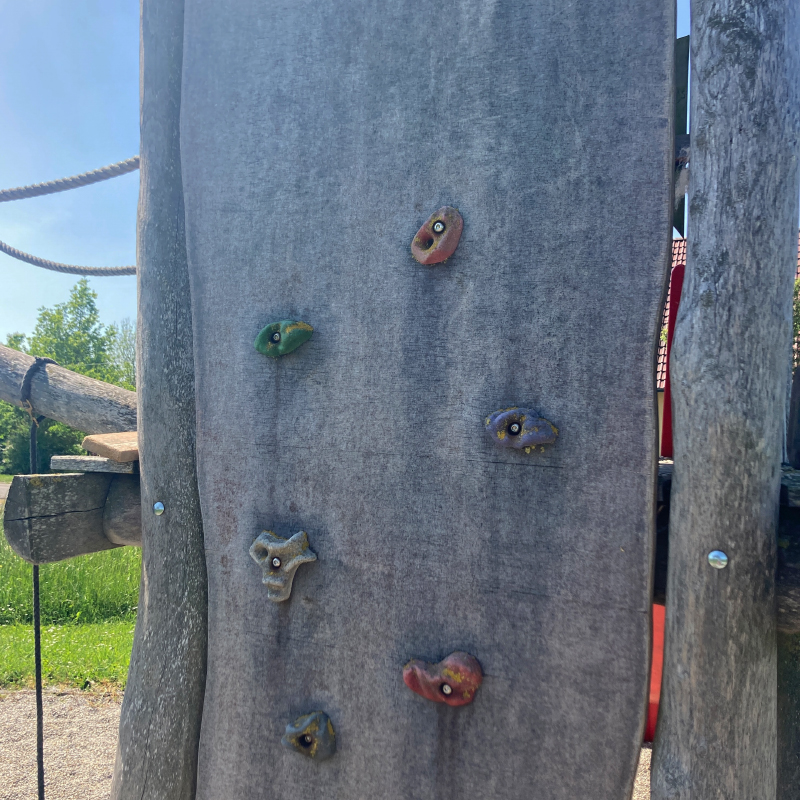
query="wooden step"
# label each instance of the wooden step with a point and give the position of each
(116, 446)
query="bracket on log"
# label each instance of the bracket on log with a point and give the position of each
(50, 518)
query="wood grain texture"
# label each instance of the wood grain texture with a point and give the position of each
(92, 464)
(60, 394)
(50, 518)
(163, 705)
(122, 513)
(716, 735)
(316, 139)
(122, 446)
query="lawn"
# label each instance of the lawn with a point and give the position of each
(5, 478)
(88, 613)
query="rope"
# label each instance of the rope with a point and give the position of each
(25, 396)
(70, 269)
(73, 182)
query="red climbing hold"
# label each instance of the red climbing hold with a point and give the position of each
(438, 238)
(453, 680)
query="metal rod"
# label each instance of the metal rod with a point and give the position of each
(37, 636)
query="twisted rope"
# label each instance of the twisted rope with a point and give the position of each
(70, 269)
(73, 182)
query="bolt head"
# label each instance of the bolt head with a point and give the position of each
(276, 563)
(158, 508)
(514, 428)
(438, 226)
(447, 689)
(718, 559)
(306, 740)
(276, 337)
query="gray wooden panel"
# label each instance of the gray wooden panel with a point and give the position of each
(50, 518)
(316, 139)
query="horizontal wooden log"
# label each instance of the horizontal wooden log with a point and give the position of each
(50, 518)
(60, 394)
(92, 464)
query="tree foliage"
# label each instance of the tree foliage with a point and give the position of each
(71, 334)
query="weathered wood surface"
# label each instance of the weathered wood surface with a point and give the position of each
(716, 735)
(54, 517)
(163, 705)
(60, 394)
(316, 139)
(122, 446)
(92, 464)
(122, 514)
(788, 716)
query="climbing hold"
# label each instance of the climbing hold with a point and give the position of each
(438, 238)
(280, 559)
(312, 735)
(282, 337)
(520, 428)
(453, 681)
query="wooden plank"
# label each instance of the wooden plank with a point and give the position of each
(92, 464)
(121, 447)
(162, 708)
(716, 733)
(60, 394)
(301, 204)
(50, 518)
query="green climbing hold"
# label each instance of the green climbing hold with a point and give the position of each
(282, 337)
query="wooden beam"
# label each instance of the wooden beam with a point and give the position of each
(54, 517)
(122, 447)
(163, 705)
(60, 394)
(92, 464)
(717, 729)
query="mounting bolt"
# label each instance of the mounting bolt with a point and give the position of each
(513, 428)
(718, 559)
(438, 227)
(276, 337)
(158, 508)
(276, 563)
(447, 689)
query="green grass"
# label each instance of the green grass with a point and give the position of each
(88, 607)
(6, 478)
(85, 656)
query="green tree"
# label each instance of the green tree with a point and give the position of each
(71, 334)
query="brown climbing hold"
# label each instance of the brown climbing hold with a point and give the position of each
(438, 238)
(454, 680)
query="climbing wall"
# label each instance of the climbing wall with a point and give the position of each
(320, 139)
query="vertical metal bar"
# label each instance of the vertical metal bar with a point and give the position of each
(37, 636)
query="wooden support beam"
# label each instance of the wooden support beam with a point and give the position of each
(717, 729)
(92, 464)
(50, 518)
(60, 394)
(163, 706)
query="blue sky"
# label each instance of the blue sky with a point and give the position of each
(69, 102)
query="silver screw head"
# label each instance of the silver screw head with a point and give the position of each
(447, 689)
(276, 337)
(718, 559)
(514, 427)
(276, 563)
(306, 740)
(438, 227)
(158, 508)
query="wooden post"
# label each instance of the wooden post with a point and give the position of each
(160, 724)
(717, 730)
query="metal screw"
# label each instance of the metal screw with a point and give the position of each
(276, 337)
(276, 563)
(306, 740)
(447, 689)
(438, 227)
(718, 559)
(158, 508)
(513, 428)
